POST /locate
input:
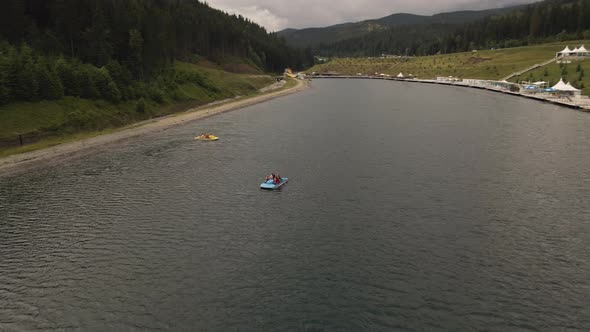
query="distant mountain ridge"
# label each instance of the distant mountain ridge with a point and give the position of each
(407, 34)
(312, 37)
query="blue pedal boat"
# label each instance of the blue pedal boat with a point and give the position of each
(271, 185)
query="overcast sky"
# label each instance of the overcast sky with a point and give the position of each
(276, 15)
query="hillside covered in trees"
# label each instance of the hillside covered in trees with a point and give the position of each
(547, 21)
(313, 37)
(70, 68)
(106, 49)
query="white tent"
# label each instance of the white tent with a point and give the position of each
(400, 75)
(560, 86)
(569, 87)
(582, 51)
(565, 52)
(575, 92)
(578, 51)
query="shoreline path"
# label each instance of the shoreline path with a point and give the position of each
(21, 162)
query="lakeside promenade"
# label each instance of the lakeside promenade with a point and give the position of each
(471, 83)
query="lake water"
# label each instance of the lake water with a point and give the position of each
(408, 207)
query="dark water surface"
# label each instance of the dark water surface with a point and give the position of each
(409, 207)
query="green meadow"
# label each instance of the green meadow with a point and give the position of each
(482, 64)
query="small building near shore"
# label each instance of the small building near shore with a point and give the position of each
(505, 85)
(448, 79)
(541, 84)
(475, 82)
(533, 87)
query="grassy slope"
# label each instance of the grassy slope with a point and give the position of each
(555, 72)
(482, 64)
(51, 141)
(27, 117)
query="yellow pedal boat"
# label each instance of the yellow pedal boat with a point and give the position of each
(207, 138)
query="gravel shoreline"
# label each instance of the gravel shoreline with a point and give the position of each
(24, 161)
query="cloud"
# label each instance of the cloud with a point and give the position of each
(276, 15)
(263, 16)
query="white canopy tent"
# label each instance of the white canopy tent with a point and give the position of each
(560, 86)
(582, 51)
(400, 75)
(566, 88)
(565, 52)
(577, 51)
(570, 87)
(575, 92)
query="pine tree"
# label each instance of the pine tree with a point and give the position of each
(136, 52)
(104, 83)
(44, 81)
(26, 85)
(5, 93)
(97, 37)
(56, 88)
(536, 22)
(120, 75)
(50, 86)
(140, 106)
(113, 93)
(85, 79)
(10, 70)
(67, 76)
(12, 19)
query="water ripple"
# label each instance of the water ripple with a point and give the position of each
(446, 213)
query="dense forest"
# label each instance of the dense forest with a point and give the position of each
(312, 37)
(550, 20)
(99, 49)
